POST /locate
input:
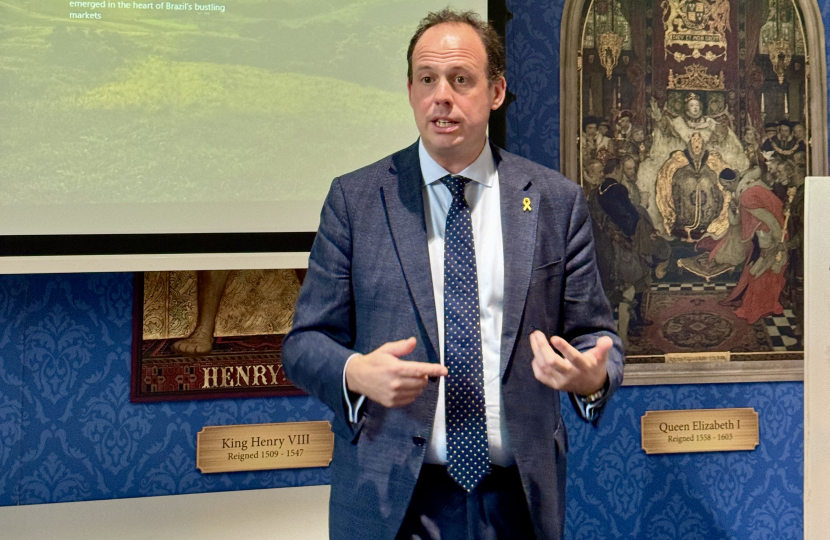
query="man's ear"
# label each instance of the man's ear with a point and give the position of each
(499, 89)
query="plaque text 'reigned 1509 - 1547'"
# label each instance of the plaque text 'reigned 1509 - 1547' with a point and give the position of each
(253, 447)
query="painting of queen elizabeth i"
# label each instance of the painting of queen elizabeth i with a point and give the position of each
(693, 150)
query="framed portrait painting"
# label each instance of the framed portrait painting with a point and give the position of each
(696, 128)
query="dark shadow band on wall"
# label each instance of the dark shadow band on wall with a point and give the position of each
(144, 244)
(498, 16)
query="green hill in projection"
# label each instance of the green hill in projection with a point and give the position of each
(166, 131)
(157, 83)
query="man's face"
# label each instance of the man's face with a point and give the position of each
(595, 170)
(638, 135)
(602, 129)
(784, 132)
(799, 131)
(624, 123)
(629, 169)
(450, 94)
(783, 174)
(693, 108)
(591, 130)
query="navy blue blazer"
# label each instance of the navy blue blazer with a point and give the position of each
(369, 282)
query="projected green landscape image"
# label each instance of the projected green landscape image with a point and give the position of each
(238, 100)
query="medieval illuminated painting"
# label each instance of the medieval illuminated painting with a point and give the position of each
(212, 333)
(694, 147)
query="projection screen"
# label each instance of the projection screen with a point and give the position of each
(164, 118)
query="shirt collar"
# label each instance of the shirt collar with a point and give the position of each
(482, 170)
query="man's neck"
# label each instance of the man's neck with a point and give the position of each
(454, 163)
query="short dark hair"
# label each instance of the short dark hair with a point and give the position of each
(588, 120)
(493, 45)
(611, 165)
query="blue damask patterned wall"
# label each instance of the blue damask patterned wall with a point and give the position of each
(68, 431)
(615, 490)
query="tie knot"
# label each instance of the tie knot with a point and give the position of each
(456, 185)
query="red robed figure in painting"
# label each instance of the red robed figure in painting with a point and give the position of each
(762, 279)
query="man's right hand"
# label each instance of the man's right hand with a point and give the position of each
(386, 379)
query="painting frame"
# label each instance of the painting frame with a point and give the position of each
(570, 126)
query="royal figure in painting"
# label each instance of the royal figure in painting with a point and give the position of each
(689, 197)
(673, 135)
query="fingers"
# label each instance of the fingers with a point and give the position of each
(398, 348)
(574, 371)
(405, 381)
(602, 348)
(411, 369)
(401, 392)
(570, 353)
(386, 379)
(546, 363)
(548, 377)
(421, 369)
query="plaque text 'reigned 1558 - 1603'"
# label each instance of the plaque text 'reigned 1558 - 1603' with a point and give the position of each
(700, 430)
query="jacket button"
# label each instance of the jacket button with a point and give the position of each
(419, 441)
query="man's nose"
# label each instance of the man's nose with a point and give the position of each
(443, 92)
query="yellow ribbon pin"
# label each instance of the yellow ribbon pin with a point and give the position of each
(526, 204)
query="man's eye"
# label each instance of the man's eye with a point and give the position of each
(461, 79)
(426, 80)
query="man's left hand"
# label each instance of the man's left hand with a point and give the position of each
(582, 373)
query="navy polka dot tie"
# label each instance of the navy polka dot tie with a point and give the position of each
(467, 451)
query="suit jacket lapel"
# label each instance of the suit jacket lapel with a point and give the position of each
(518, 221)
(404, 203)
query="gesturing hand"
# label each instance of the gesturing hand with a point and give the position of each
(582, 373)
(386, 379)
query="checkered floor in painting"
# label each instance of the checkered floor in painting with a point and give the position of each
(780, 328)
(692, 287)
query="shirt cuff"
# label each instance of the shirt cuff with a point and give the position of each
(352, 404)
(590, 411)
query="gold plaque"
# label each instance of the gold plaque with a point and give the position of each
(685, 358)
(254, 447)
(699, 430)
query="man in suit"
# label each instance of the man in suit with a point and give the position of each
(436, 277)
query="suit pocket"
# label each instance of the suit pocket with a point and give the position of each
(547, 271)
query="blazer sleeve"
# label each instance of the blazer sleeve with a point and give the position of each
(587, 315)
(320, 342)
